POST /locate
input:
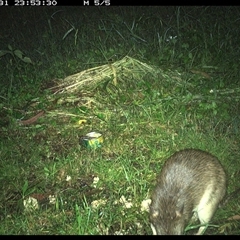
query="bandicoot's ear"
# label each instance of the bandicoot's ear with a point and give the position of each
(178, 214)
(179, 210)
(155, 214)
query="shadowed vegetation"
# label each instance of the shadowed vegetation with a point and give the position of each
(152, 80)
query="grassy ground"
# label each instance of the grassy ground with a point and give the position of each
(185, 95)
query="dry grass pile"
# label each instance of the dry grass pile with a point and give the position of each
(126, 68)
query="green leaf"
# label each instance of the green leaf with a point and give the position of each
(18, 53)
(4, 52)
(25, 187)
(27, 60)
(9, 47)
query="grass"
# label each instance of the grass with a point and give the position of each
(178, 89)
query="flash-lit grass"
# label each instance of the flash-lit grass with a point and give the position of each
(159, 80)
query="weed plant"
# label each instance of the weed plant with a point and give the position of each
(143, 120)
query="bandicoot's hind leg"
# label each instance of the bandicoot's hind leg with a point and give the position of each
(206, 209)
